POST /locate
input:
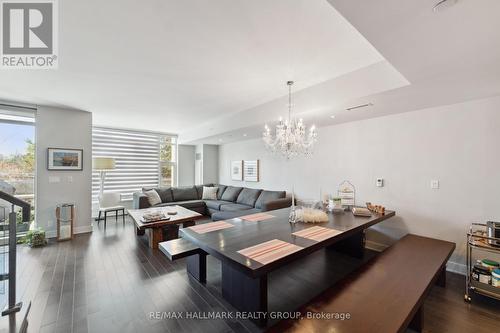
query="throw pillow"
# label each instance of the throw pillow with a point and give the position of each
(153, 197)
(209, 193)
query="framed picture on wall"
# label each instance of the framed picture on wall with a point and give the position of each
(237, 170)
(251, 171)
(62, 159)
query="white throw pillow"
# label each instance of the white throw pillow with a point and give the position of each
(153, 197)
(209, 193)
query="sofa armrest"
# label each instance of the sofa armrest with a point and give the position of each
(277, 204)
(140, 201)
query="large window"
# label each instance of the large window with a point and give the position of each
(17, 160)
(142, 159)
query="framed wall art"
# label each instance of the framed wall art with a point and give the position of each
(61, 159)
(251, 171)
(237, 170)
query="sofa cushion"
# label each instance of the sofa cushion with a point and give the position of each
(165, 194)
(218, 216)
(153, 197)
(199, 189)
(231, 193)
(186, 204)
(221, 190)
(210, 193)
(248, 196)
(215, 204)
(234, 207)
(184, 193)
(266, 196)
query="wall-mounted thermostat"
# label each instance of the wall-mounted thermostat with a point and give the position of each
(380, 182)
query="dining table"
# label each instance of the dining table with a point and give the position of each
(252, 246)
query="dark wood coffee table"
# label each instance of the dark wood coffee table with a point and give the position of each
(155, 230)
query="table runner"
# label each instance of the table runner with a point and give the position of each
(212, 226)
(257, 217)
(317, 234)
(269, 251)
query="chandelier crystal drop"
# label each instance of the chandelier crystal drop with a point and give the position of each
(291, 137)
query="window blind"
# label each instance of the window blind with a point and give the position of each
(137, 160)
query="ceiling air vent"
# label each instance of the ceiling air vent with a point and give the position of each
(359, 106)
(443, 5)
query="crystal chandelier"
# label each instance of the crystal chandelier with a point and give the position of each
(290, 138)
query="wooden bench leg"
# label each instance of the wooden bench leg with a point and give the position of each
(197, 266)
(417, 323)
(353, 246)
(441, 280)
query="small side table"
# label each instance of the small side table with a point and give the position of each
(65, 215)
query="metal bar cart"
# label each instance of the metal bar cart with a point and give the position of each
(477, 239)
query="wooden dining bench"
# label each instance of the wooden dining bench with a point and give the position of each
(386, 295)
(196, 258)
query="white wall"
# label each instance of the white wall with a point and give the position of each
(60, 128)
(207, 169)
(210, 164)
(456, 144)
(186, 164)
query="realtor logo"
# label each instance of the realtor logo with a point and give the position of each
(29, 34)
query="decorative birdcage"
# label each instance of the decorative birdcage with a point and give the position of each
(347, 194)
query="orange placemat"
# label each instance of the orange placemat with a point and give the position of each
(213, 226)
(257, 217)
(269, 251)
(317, 234)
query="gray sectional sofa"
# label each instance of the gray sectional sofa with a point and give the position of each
(231, 201)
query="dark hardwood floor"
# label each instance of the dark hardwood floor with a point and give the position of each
(110, 281)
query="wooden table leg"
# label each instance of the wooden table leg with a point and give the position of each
(353, 246)
(197, 266)
(243, 292)
(441, 280)
(139, 232)
(171, 231)
(188, 224)
(417, 323)
(155, 237)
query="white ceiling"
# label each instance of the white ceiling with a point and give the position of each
(215, 71)
(169, 65)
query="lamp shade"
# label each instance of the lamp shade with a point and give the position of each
(103, 163)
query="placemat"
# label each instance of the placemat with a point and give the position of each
(317, 234)
(269, 251)
(257, 217)
(212, 226)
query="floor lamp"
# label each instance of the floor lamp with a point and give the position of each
(103, 164)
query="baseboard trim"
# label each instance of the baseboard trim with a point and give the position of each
(85, 229)
(451, 266)
(456, 267)
(379, 247)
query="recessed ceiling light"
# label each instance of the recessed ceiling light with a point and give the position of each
(244, 134)
(220, 140)
(332, 116)
(443, 5)
(359, 106)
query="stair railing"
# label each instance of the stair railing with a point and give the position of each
(12, 306)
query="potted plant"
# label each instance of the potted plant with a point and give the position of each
(35, 238)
